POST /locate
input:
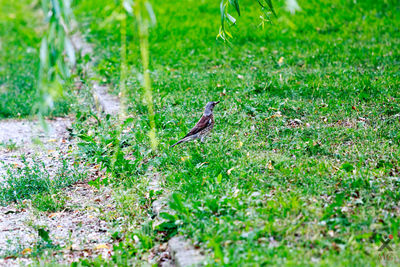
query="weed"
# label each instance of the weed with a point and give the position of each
(10, 145)
(49, 202)
(32, 180)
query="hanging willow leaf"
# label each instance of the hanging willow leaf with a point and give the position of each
(266, 5)
(57, 55)
(232, 19)
(127, 4)
(271, 7)
(235, 3)
(56, 8)
(150, 11)
(44, 54)
(70, 50)
(222, 8)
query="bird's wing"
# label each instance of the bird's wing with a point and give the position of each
(203, 123)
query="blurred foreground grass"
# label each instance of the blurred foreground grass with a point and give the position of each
(21, 30)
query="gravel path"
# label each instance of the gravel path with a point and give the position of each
(81, 229)
(24, 137)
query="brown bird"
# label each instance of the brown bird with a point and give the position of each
(203, 127)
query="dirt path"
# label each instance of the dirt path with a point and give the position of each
(81, 229)
(24, 137)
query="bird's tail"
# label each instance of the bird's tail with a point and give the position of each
(177, 143)
(180, 141)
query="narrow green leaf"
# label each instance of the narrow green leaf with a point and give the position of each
(219, 178)
(168, 216)
(271, 7)
(56, 8)
(222, 8)
(45, 8)
(127, 4)
(128, 121)
(235, 3)
(151, 13)
(177, 204)
(70, 51)
(44, 54)
(232, 19)
(86, 138)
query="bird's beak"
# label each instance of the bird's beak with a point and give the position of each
(216, 102)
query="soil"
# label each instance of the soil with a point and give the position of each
(82, 229)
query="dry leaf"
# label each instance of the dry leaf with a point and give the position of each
(270, 167)
(184, 158)
(235, 194)
(102, 246)
(277, 114)
(203, 163)
(230, 171)
(26, 251)
(54, 215)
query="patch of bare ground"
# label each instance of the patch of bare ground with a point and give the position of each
(28, 138)
(82, 228)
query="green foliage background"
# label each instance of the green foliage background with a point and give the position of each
(21, 30)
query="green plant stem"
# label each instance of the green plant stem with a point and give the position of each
(143, 29)
(122, 83)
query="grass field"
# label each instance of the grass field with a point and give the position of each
(303, 165)
(21, 30)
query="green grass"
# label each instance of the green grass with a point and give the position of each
(21, 30)
(33, 181)
(9, 145)
(266, 188)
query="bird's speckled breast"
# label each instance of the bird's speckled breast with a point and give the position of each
(209, 127)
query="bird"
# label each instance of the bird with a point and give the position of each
(203, 127)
